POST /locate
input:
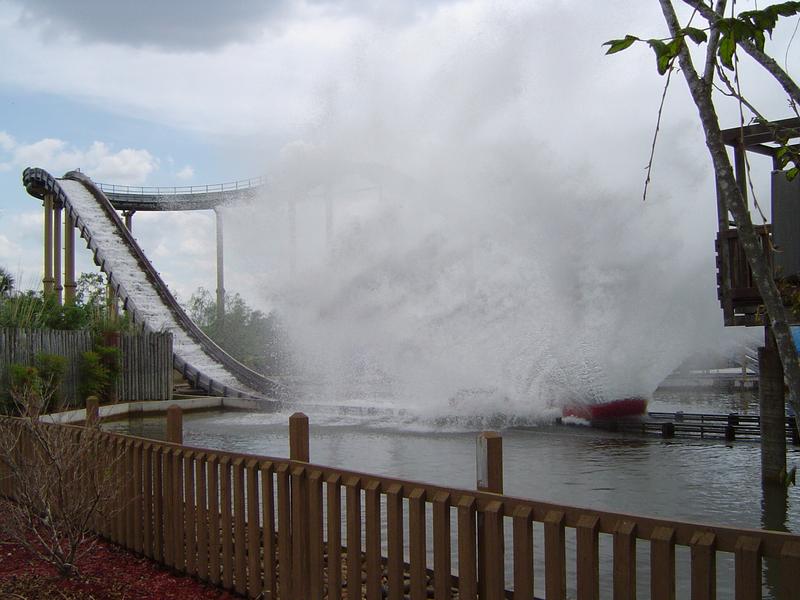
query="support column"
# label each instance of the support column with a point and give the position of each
(57, 287)
(220, 269)
(69, 259)
(47, 281)
(773, 411)
(128, 214)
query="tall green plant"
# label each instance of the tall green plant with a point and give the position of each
(99, 370)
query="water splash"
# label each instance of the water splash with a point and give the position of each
(483, 263)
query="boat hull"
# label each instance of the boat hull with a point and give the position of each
(603, 411)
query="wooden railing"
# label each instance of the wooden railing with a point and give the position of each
(736, 289)
(285, 528)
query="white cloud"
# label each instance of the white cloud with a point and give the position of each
(127, 166)
(9, 249)
(185, 173)
(7, 142)
(28, 222)
(181, 245)
(280, 81)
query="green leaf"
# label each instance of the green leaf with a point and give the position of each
(662, 55)
(758, 39)
(792, 173)
(727, 45)
(698, 36)
(619, 45)
(787, 9)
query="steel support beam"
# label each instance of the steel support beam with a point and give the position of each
(69, 259)
(58, 288)
(47, 281)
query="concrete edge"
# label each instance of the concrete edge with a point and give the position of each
(115, 412)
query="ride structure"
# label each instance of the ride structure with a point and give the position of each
(741, 301)
(134, 281)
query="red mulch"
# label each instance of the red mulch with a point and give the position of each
(106, 572)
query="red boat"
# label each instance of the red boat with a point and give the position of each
(615, 409)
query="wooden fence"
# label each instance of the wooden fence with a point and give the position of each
(146, 360)
(285, 528)
(22, 345)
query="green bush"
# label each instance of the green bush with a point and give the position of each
(52, 368)
(99, 370)
(35, 389)
(24, 388)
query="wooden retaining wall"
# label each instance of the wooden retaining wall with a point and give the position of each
(146, 358)
(285, 528)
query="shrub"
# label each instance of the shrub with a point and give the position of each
(99, 370)
(35, 388)
(51, 369)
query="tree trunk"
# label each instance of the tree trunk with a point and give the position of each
(733, 200)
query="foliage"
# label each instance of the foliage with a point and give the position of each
(90, 290)
(35, 388)
(250, 336)
(35, 310)
(51, 369)
(6, 282)
(99, 369)
(747, 29)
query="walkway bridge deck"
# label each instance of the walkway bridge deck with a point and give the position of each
(195, 197)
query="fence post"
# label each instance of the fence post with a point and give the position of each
(92, 417)
(489, 467)
(175, 424)
(300, 532)
(298, 437)
(489, 462)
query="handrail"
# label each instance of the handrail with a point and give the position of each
(228, 186)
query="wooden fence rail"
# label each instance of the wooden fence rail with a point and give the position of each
(285, 528)
(146, 360)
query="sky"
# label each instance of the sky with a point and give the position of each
(456, 95)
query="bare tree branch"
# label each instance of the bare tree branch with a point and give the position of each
(713, 45)
(60, 479)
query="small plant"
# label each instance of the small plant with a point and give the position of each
(51, 369)
(99, 370)
(35, 388)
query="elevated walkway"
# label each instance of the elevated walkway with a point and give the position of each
(196, 197)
